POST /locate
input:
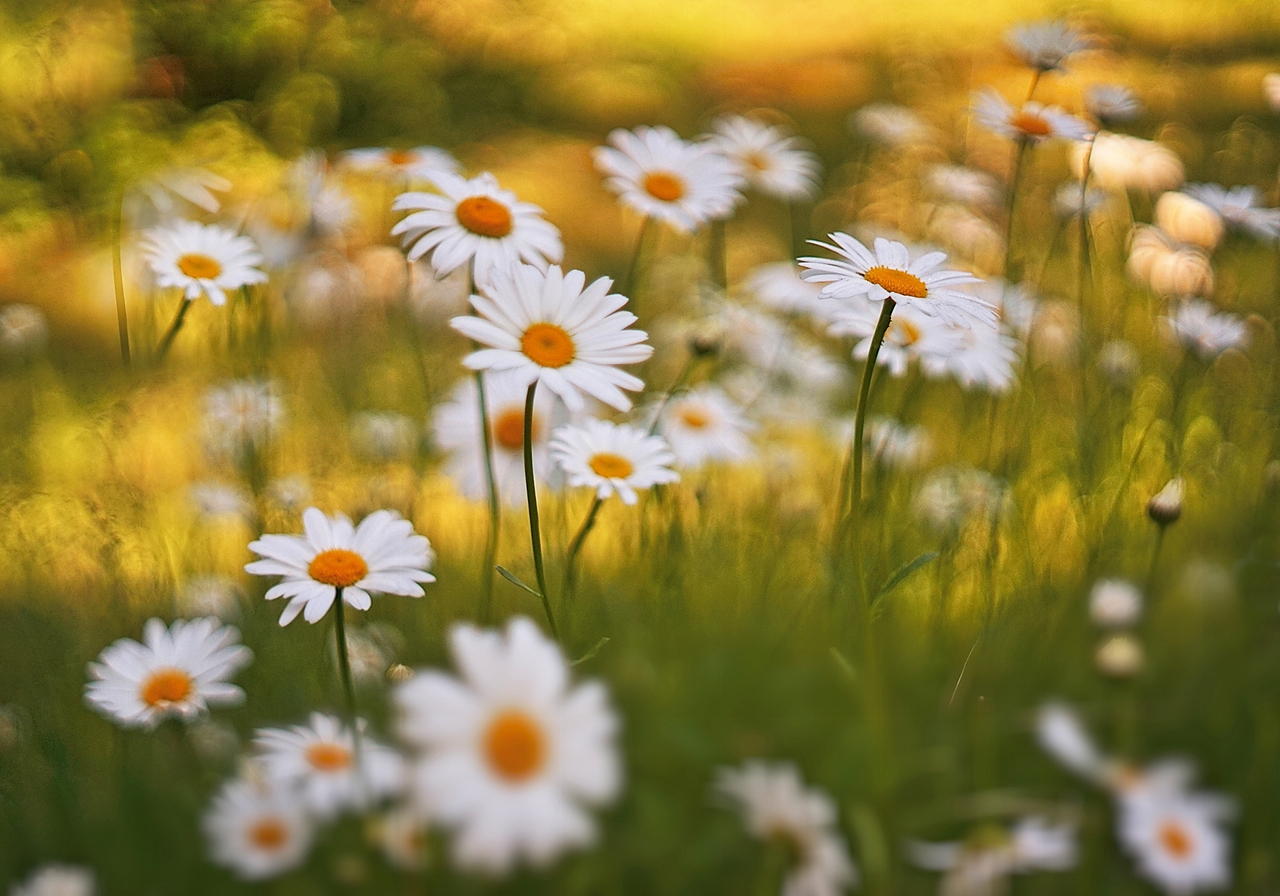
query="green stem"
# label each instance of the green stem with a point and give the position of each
(531, 491)
(117, 267)
(571, 558)
(344, 668)
(1019, 163)
(666, 396)
(629, 284)
(495, 515)
(174, 327)
(717, 251)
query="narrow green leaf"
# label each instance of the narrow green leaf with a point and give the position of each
(844, 666)
(901, 574)
(590, 653)
(514, 580)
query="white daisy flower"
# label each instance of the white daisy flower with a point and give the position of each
(1239, 207)
(318, 761)
(613, 459)
(209, 596)
(382, 555)
(256, 830)
(704, 425)
(896, 445)
(1205, 330)
(456, 427)
(671, 180)
(776, 805)
(201, 259)
(968, 186)
(513, 754)
(221, 502)
(1046, 45)
(24, 329)
(1112, 103)
(1271, 90)
(416, 163)
(550, 327)
(1062, 735)
(55, 879)
(779, 287)
(986, 358)
(911, 334)
(176, 672)
(475, 221)
(1189, 221)
(1115, 603)
(1121, 162)
(772, 161)
(890, 272)
(890, 124)
(383, 436)
(951, 495)
(1176, 840)
(241, 415)
(1033, 122)
(982, 865)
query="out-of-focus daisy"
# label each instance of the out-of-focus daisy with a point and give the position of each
(1062, 735)
(382, 555)
(1188, 220)
(201, 259)
(970, 235)
(415, 163)
(890, 272)
(475, 221)
(1165, 506)
(1032, 122)
(776, 805)
(176, 672)
(1121, 162)
(370, 650)
(968, 186)
(981, 865)
(890, 124)
(258, 830)
(668, 179)
(780, 287)
(23, 329)
(1069, 200)
(911, 334)
(1205, 330)
(55, 879)
(383, 436)
(402, 835)
(170, 192)
(221, 501)
(240, 415)
(772, 161)
(1119, 656)
(513, 754)
(985, 359)
(1176, 840)
(704, 425)
(290, 493)
(1239, 207)
(951, 495)
(1115, 603)
(318, 760)
(456, 427)
(551, 327)
(1045, 46)
(612, 458)
(897, 445)
(209, 596)
(1112, 103)
(1167, 267)
(1119, 362)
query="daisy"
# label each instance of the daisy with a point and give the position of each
(257, 830)
(890, 124)
(383, 436)
(318, 761)
(550, 327)
(668, 179)
(771, 161)
(911, 335)
(1239, 207)
(1062, 735)
(416, 163)
(1115, 603)
(951, 495)
(176, 672)
(475, 221)
(776, 805)
(1112, 103)
(456, 427)
(55, 879)
(779, 287)
(382, 555)
(512, 753)
(1045, 46)
(1176, 840)
(1122, 162)
(982, 865)
(23, 329)
(896, 445)
(986, 358)
(1069, 201)
(1189, 221)
(221, 501)
(1206, 331)
(612, 458)
(201, 259)
(703, 425)
(1032, 122)
(957, 183)
(1167, 267)
(889, 272)
(241, 415)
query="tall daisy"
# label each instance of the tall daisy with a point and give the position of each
(176, 672)
(512, 753)
(668, 179)
(705, 425)
(475, 221)
(770, 160)
(201, 259)
(613, 459)
(1045, 46)
(1030, 123)
(257, 830)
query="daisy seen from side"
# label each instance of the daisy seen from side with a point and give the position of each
(613, 458)
(1031, 122)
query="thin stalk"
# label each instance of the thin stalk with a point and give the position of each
(717, 253)
(174, 327)
(495, 513)
(1082, 331)
(531, 491)
(117, 268)
(1035, 81)
(571, 558)
(344, 668)
(633, 268)
(1019, 163)
(1150, 584)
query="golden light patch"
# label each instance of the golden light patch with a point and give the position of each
(199, 267)
(611, 466)
(897, 282)
(338, 567)
(547, 345)
(166, 686)
(515, 746)
(484, 216)
(664, 186)
(328, 757)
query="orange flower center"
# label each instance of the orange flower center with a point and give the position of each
(338, 567)
(401, 157)
(268, 834)
(484, 216)
(166, 686)
(547, 345)
(1031, 124)
(756, 161)
(199, 267)
(515, 746)
(1175, 839)
(895, 281)
(905, 333)
(694, 418)
(508, 429)
(611, 466)
(328, 757)
(666, 187)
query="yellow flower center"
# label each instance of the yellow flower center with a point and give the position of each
(268, 834)
(328, 757)
(757, 161)
(401, 157)
(199, 267)
(166, 686)
(484, 216)
(694, 418)
(905, 332)
(338, 567)
(666, 187)
(508, 428)
(515, 746)
(611, 466)
(895, 281)
(1031, 124)
(547, 345)
(1175, 839)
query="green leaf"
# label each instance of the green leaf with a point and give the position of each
(515, 580)
(845, 667)
(901, 574)
(590, 653)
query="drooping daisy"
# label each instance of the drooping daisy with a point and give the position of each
(176, 672)
(512, 753)
(1176, 839)
(550, 327)
(1239, 207)
(456, 426)
(258, 830)
(1045, 46)
(1112, 103)
(1032, 122)
(318, 760)
(382, 555)
(201, 259)
(772, 161)
(1205, 330)
(986, 358)
(911, 336)
(55, 879)
(241, 415)
(416, 163)
(890, 272)
(671, 180)
(475, 221)
(704, 425)
(1122, 162)
(780, 287)
(613, 459)
(776, 805)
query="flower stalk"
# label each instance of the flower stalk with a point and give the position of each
(531, 492)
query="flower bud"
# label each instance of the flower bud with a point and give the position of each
(1166, 506)
(1119, 657)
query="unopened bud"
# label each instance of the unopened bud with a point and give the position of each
(399, 672)
(1119, 657)
(1166, 506)
(703, 344)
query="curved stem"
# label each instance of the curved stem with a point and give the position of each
(174, 327)
(633, 268)
(717, 251)
(531, 492)
(495, 515)
(344, 664)
(571, 558)
(117, 267)
(1019, 162)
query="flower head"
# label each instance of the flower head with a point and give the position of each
(890, 124)
(1239, 207)
(703, 425)
(1111, 103)
(1046, 45)
(241, 415)
(1115, 603)
(1032, 121)
(770, 160)
(612, 458)
(779, 287)
(55, 879)
(1205, 330)
(201, 259)
(1176, 839)
(258, 830)
(415, 163)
